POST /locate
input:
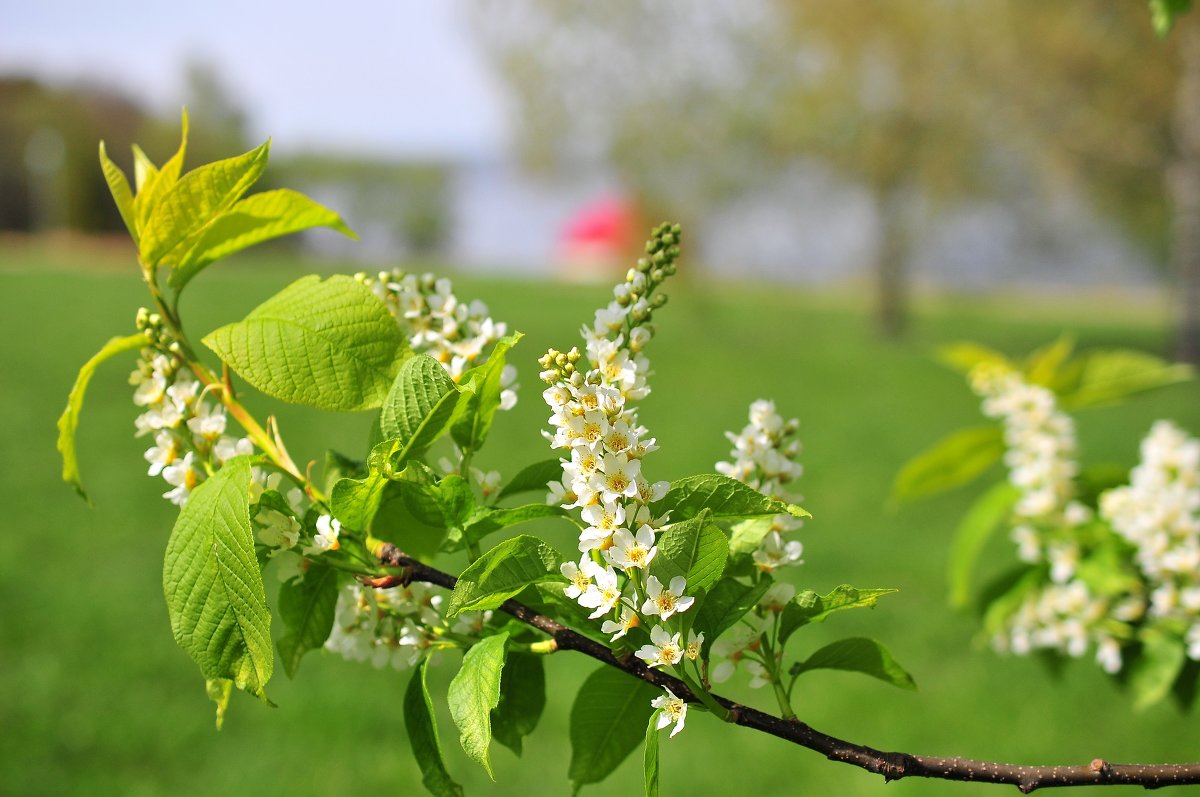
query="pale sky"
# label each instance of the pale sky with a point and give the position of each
(402, 77)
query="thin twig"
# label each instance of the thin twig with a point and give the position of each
(892, 766)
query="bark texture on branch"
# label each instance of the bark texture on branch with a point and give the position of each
(892, 766)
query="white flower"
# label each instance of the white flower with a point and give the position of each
(489, 482)
(630, 551)
(604, 594)
(619, 477)
(694, 646)
(673, 710)
(774, 553)
(666, 602)
(278, 530)
(618, 629)
(580, 576)
(777, 597)
(164, 452)
(227, 448)
(326, 538)
(664, 648)
(184, 475)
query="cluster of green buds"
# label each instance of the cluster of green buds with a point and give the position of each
(558, 365)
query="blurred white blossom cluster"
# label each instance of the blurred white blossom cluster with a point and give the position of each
(457, 334)
(1159, 513)
(764, 457)
(396, 626)
(188, 430)
(592, 395)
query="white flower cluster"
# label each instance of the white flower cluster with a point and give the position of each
(395, 626)
(1159, 512)
(1065, 618)
(763, 457)
(1039, 438)
(592, 397)
(457, 334)
(189, 432)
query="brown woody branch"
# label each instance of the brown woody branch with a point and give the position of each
(892, 766)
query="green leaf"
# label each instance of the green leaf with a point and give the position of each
(471, 428)
(859, 654)
(143, 168)
(219, 691)
(306, 606)
(154, 184)
(725, 604)
(354, 502)
(694, 549)
(985, 516)
(422, 404)
(522, 700)
(253, 220)
(1164, 12)
(395, 522)
(1109, 376)
(952, 462)
(809, 607)
(1044, 366)
(650, 758)
(198, 198)
(474, 692)
(68, 422)
(118, 186)
(327, 344)
(725, 498)
(608, 720)
(488, 521)
(502, 572)
(532, 478)
(747, 536)
(423, 736)
(965, 356)
(213, 585)
(1154, 671)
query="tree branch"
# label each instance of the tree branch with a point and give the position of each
(892, 766)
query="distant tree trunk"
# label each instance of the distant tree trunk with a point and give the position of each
(891, 263)
(1183, 184)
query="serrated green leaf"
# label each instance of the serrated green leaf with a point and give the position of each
(726, 603)
(694, 549)
(118, 186)
(810, 607)
(196, 199)
(859, 654)
(306, 606)
(421, 405)
(250, 221)
(532, 478)
(1154, 671)
(213, 584)
(68, 422)
(650, 756)
(474, 692)
(522, 700)
(725, 498)
(951, 462)
(965, 356)
(608, 720)
(502, 572)
(155, 184)
(982, 519)
(1109, 376)
(420, 721)
(471, 428)
(329, 344)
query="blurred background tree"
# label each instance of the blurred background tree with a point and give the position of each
(924, 103)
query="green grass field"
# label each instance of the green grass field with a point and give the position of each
(96, 699)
